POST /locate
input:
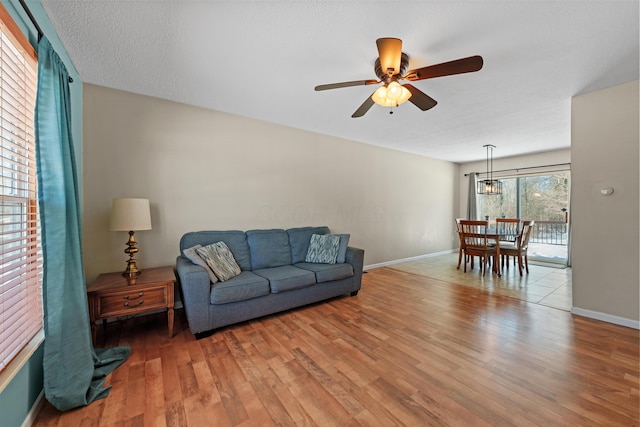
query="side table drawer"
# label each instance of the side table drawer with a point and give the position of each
(119, 303)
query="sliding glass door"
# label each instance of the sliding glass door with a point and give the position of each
(543, 198)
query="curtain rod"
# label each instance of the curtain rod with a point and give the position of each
(35, 24)
(32, 18)
(529, 167)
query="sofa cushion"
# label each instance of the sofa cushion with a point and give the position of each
(299, 239)
(286, 278)
(342, 249)
(235, 240)
(197, 260)
(268, 248)
(323, 249)
(327, 272)
(220, 259)
(244, 286)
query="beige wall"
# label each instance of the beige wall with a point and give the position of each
(604, 150)
(207, 170)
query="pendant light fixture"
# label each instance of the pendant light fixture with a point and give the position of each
(489, 185)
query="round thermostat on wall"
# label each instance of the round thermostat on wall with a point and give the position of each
(606, 191)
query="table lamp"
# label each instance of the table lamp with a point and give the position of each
(130, 215)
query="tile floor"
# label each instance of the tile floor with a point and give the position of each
(543, 285)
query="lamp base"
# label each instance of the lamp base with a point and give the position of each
(131, 250)
(132, 269)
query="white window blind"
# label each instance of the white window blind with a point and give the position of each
(20, 250)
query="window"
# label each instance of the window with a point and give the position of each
(537, 197)
(20, 250)
(543, 198)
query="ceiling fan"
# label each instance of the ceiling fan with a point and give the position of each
(391, 67)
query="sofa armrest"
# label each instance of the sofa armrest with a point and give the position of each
(196, 289)
(355, 257)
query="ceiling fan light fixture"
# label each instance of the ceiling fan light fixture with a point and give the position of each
(391, 66)
(394, 91)
(391, 95)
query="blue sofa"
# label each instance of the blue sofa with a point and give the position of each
(274, 276)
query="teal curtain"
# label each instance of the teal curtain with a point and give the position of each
(73, 370)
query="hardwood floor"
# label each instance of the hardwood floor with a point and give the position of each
(542, 285)
(408, 350)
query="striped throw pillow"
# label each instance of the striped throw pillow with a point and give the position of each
(197, 260)
(220, 259)
(323, 249)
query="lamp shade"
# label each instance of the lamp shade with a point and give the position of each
(130, 215)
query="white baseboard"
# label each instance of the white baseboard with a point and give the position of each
(400, 261)
(35, 410)
(610, 318)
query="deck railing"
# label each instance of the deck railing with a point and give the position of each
(549, 232)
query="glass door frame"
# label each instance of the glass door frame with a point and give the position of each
(518, 177)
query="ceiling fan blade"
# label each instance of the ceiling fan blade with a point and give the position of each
(420, 99)
(459, 66)
(390, 52)
(346, 84)
(368, 103)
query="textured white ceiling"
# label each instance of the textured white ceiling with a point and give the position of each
(262, 59)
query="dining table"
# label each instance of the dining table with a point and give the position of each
(497, 235)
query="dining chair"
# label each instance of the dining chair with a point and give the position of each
(476, 242)
(461, 248)
(508, 228)
(518, 250)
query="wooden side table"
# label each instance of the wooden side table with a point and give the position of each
(113, 295)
